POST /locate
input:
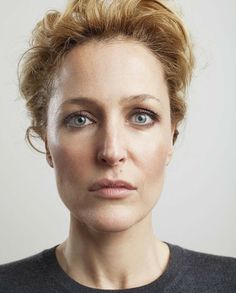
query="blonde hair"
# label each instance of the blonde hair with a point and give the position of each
(149, 22)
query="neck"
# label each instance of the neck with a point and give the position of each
(125, 259)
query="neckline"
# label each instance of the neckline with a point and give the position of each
(169, 277)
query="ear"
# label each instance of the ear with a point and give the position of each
(48, 154)
(171, 147)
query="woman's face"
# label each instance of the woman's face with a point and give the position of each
(111, 133)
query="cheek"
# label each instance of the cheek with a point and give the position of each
(70, 162)
(153, 158)
(152, 166)
(72, 173)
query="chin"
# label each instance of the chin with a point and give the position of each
(113, 219)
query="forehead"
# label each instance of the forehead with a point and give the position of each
(123, 55)
(111, 69)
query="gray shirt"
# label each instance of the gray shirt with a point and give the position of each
(187, 271)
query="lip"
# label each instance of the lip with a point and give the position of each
(112, 189)
(107, 183)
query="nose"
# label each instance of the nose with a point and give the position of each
(111, 148)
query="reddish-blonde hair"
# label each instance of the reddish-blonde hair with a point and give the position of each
(149, 22)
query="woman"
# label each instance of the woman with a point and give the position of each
(91, 74)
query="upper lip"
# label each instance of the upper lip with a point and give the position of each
(105, 183)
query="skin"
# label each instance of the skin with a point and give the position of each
(111, 243)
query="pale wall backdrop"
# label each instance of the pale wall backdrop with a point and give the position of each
(197, 209)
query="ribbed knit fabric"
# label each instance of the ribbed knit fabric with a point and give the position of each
(187, 271)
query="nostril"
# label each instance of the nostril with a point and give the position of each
(111, 160)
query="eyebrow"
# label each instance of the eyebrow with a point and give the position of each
(91, 101)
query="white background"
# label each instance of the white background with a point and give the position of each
(197, 209)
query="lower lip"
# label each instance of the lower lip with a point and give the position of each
(113, 193)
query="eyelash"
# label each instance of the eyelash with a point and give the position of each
(154, 116)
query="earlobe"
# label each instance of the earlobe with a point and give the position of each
(171, 148)
(48, 154)
(169, 155)
(49, 159)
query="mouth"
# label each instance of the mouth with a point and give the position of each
(112, 189)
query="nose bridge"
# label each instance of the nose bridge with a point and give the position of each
(111, 146)
(111, 135)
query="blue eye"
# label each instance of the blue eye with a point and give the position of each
(143, 116)
(77, 120)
